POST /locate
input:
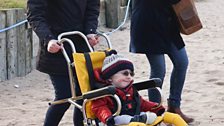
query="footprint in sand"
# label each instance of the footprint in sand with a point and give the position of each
(46, 99)
(216, 82)
(210, 72)
(220, 83)
(212, 80)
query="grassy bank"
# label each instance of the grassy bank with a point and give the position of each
(12, 4)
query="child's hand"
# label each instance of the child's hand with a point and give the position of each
(151, 117)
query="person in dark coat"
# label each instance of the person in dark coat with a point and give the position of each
(155, 32)
(49, 18)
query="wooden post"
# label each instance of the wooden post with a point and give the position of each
(3, 69)
(112, 11)
(21, 57)
(124, 2)
(102, 16)
(35, 48)
(123, 8)
(11, 42)
(28, 51)
(18, 49)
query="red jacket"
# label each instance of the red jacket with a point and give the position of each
(103, 107)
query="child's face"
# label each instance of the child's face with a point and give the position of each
(122, 78)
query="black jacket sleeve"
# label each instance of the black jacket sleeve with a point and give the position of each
(36, 16)
(91, 16)
(174, 1)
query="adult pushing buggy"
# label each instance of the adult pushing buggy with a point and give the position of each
(83, 71)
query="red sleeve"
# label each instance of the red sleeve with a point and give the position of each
(101, 108)
(150, 106)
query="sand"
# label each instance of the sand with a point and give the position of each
(24, 100)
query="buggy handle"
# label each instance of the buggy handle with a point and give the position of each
(61, 39)
(107, 39)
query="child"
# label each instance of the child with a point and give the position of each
(119, 72)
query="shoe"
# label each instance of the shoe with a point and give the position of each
(179, 112)
(147, 118)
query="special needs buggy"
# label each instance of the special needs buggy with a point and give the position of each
(84, 65)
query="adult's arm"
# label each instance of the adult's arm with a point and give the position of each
(36, 16)
(174, 1)
(91, 16)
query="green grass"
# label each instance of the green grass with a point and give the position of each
(12, 4)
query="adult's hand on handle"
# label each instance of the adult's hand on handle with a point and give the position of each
(53, 46)
(93, 39)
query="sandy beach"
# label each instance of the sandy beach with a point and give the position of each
(24, 100)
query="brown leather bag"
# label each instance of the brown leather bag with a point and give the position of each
(187, 16)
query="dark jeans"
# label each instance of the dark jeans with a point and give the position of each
(179, 59)
(55, 113)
